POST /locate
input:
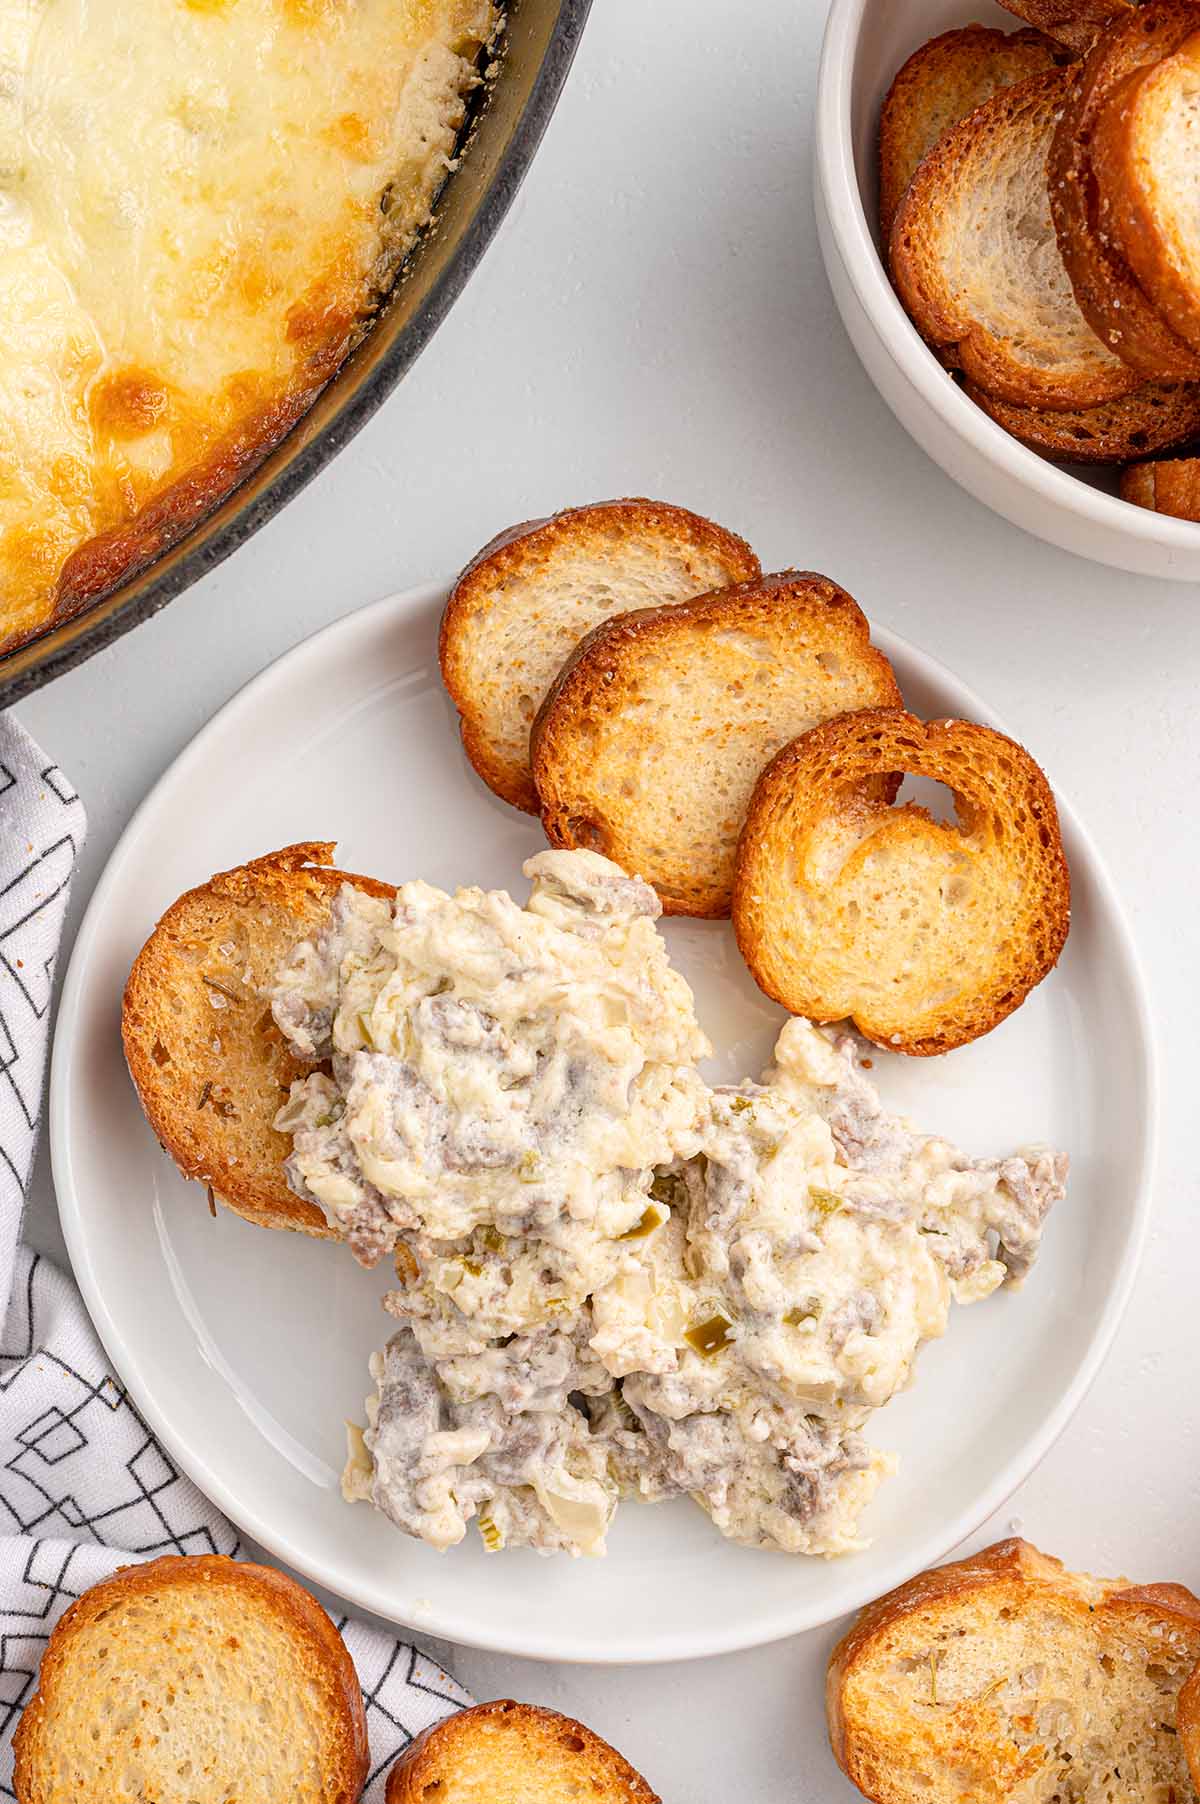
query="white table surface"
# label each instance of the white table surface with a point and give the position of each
(654, 319)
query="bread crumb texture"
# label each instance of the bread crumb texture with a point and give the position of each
(193, 1681)
(1005, 1679)
(926, 932)
(522, 606)
(510, 1753)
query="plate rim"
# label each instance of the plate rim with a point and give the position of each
(447, 1624)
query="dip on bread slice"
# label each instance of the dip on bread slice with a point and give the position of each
(209, 1064)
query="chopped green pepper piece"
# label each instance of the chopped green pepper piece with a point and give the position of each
(669, 1188)
(710, 1337)
(651, 1219)
(489, 1531)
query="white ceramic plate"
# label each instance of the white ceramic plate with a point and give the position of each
(866, 42)
(246, 1350)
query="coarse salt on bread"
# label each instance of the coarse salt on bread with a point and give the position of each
(1145, 163)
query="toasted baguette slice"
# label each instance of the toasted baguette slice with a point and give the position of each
(940, 84)
(1144, 158)
(1109, 295)
(527, 600)
(1154, 418)
(975, 259)
(1006, 1677)
(1075, 23)
(507, 1753)
(651, 741)
(1170, 487)
(1189, 1725)
(926, 934)
(210, 1067)
(193, 1681)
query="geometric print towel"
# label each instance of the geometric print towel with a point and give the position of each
(84, 1486)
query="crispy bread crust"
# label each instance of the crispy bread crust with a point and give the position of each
(1169, 487)
(940, 84)
(1154, 418)
(1075, 23)
(1110, 296)
(1003, 366)
(1012, 1567)
(525, 548)
(320, 1651)
(594, 684)
(1126, 174)
(817, 783)
(423, 1768)
(1188, 1719)
(210, 1142)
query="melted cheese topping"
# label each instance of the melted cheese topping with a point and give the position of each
(199, 201)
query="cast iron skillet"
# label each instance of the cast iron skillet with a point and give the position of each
(508, 116)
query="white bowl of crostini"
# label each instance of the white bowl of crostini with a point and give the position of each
(866, 42)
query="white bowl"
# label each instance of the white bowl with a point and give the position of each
(866, 42)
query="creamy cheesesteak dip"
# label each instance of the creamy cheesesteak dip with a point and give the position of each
(614, 1280)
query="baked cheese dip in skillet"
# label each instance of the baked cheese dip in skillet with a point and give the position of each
(201, 204)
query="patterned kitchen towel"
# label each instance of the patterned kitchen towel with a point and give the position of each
(84, 1486)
